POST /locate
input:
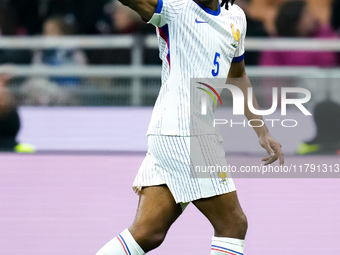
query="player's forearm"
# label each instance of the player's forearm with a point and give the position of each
(244, 83)
(145, 8)
(262, 128)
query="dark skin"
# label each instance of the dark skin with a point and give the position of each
(146, 8)
(157, 209)
(211, 4)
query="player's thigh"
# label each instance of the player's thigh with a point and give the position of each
(223, 211)
(157, 210)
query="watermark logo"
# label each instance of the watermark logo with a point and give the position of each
(204, 99)
(239, 101)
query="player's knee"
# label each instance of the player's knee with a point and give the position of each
(243, 222)
(149, 239)
(157, 239)
(235, 225)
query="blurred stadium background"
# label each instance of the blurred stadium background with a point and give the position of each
(84, 97)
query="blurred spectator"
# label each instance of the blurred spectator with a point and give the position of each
(59, 26)
(294, 20)
(85, 13)
(335, 20)
(255, 28)
(9, 118)
(124, 21)
(32, 13)
(88, 13)
(335, 17)
(52, 8)
(28, 15)
(327, 139)
(8, 27)
(42, 92)
(8, 22)
(10, 121)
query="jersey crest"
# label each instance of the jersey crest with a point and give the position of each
(236, 34)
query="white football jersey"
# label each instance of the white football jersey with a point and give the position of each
(194, 42)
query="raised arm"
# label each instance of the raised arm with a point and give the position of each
(237, 76)
(145, 8)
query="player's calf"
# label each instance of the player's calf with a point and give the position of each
(122, 244)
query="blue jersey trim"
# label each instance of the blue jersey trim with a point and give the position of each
(207, 10)
(159, 6)
(238, 59)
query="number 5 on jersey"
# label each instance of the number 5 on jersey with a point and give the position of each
(217, 65)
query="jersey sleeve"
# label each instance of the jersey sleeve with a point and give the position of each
(239, 53)
(166, 11)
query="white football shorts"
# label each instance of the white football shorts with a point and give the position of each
(192, 167)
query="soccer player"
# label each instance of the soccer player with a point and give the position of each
(197, 39)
